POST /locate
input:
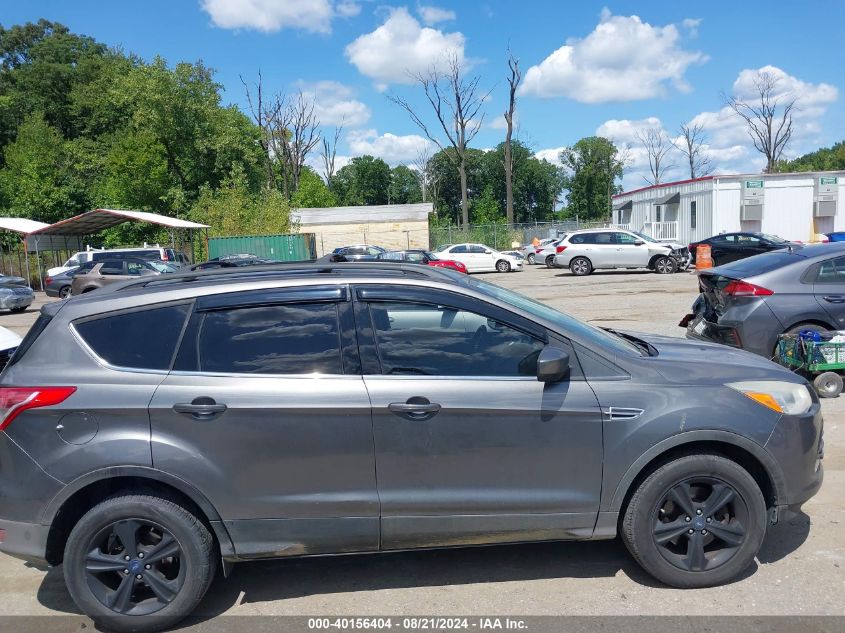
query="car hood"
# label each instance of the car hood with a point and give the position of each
(685, 361)
(10, 282)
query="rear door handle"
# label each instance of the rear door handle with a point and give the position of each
(202, 408)
(416, 409)
(834, 298)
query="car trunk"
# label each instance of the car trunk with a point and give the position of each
(714, 301)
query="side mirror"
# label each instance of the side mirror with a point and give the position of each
(552, 365)
(639, 243)
(488, 252)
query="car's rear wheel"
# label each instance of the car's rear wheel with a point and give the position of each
(138, 563)
(696, 521)
(64, 293)
(665, 265)
(532, 259)
(503, 266)
(580, 266)
(16, 310)
(550, 261)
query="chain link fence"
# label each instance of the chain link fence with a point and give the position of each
(504, 236)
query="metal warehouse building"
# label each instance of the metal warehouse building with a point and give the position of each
(797, 206)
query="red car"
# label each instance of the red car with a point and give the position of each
(419, 256)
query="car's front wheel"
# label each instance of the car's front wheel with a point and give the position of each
(696, 521)
(138, 563)
(532, 259)
(503, 266)
(665, 265)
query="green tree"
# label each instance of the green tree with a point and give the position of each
(823, 159)
(312, 191)
(365, 180)
(486, 210)
(404, 186)
(594, 168)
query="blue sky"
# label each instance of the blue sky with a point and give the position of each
(612, 68)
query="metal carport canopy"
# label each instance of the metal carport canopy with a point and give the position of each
(95, 221)
(21, 225)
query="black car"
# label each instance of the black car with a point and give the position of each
(730, 247)
(358, 252)
(233, 261)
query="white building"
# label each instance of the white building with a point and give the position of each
(796, 206)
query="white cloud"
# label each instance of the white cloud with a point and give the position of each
(401, 48)
(391, 148)
(551, 154)
(334, 104)
(499, 123)
(270, 16)
(433, 15)
(623, 59)
(691, 25)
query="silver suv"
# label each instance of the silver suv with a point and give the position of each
(155, 429)
(591, 249)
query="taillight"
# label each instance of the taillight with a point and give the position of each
(164, 257)
(16, 400)
(537, 251)
(744, 289)
(691, 248)
(560, 249)
(48, 281)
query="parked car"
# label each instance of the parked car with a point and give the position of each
(547, 254)
(15, 294)
(748, 303)
(419, 256)
(9, 342)
(836, 236)
(359, 252)
(529, 251)
(60, 285)
(512, 253)
(233, 261)
(480, 258)
(730, 247)
(150, 449)
(95, 275)
(591, 249)
(160, 253)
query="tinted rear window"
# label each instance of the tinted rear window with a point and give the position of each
(282, 339)
(143, 339)
(759, 264)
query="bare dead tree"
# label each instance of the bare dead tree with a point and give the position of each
(657, 146)
(692, 145)
(424, 170)
(329, 154)
(457, 102)
(768, 117)
(264, 113)
(514, 78)
(297, 134)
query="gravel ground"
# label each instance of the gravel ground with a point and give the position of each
(799, 570)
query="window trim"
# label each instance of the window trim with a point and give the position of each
(135, 370)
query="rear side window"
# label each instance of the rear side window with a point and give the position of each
(142, 339)
(302, 338)
(584, 238)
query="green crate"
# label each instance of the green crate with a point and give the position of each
(812, 356)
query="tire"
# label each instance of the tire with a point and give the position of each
(532, 259)
(181, 578)
(550, 261)
(503, 266)
(665, 266)
(695, 480)
(18, 310)
(828, 384)
(64, 292)
(580, 266)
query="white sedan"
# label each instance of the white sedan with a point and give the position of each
(479, 258)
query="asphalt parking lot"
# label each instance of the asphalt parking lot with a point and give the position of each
(800, 569)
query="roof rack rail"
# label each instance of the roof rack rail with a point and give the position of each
(264, 271)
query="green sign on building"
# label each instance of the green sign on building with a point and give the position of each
(828, 180)
(753, 184)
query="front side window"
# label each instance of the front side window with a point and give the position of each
(627, 239)
(477, 248)
(415, 257)
(142, 339)
(302, 338)
(420, 339)
(393, 256)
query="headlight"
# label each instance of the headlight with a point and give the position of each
(783, 397)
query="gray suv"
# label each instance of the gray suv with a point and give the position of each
(155, 430)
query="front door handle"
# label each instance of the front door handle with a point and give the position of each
(834, 298)
(202, 408)
(416, 409)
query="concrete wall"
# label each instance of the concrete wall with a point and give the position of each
(390, 235)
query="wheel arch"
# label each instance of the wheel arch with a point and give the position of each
(750, 455)
(82, 494)
(813, 321)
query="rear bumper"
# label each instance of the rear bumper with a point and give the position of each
(24, 540)
(750, 325)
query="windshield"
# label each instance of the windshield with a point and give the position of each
(162, 267)
(773, 238)
(647, 238)
(564, 321)
(431, 256)
(440, 249)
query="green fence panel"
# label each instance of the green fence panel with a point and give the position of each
(287, 248)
